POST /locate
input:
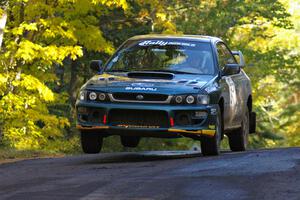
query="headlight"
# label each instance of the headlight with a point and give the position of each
(179, 99)
(102, 96)
(93, 96)
(82, 96)
(202, 99)
(190, 99)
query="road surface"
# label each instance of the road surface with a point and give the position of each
(260, 174)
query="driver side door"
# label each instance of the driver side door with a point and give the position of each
(231, 84)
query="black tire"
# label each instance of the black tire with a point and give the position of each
(210, 146)
(238, 139)
(130, 141)
(91, 143)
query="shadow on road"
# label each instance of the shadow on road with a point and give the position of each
(140, 156)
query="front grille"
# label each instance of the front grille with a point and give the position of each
(138, 118)
(134, 97)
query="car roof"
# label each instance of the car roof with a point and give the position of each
(202, 38)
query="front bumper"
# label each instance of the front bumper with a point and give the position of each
(104, 127)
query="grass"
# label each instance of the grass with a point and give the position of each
(10, 155)
(54, 148)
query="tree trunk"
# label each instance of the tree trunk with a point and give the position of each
(2, 25)
(60, 73)
(73, 82)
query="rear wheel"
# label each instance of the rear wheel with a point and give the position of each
(130, 141)
(91, 143)
(210, 146)
(238, 139)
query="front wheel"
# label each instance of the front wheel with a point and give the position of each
(210, 146)
(238, 139)
(91, 143)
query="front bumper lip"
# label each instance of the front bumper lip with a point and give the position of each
(205, 132)
(206, 128)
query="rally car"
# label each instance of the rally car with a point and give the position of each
(168, 87)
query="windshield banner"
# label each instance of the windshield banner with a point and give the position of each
(164, 43)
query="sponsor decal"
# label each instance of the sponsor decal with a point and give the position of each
(212, 126)
(211, 88)
(232, 91)
(141, 88)
(164, 43)
(135, 126)
(232, 95)
(213, 111)
(142, 84)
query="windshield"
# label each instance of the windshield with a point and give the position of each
(176, 56)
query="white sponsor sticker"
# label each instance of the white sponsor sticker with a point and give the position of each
(211, 88)
(164, 43)
(232, 95)
(232, 91)
(141, 88)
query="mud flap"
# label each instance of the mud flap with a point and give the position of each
(252, 126)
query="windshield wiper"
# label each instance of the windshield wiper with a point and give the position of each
(171, 71)
(117, 70)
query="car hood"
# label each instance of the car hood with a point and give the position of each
(120, 82)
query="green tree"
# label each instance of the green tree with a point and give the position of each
(48, 44)
(265, 32)
(39, 35)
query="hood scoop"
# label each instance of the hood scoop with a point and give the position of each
(151, 75)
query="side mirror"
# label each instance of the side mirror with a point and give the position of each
(230, 69)
(241, 60)
(96, 65)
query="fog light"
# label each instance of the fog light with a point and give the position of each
(190, 99)
(102, 96)
(93, 96)
(183, 119)
(178, 99)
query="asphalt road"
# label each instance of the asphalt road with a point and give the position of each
(262, 174)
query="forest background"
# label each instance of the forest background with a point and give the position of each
(47, 46)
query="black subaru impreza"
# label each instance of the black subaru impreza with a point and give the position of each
(168, 87)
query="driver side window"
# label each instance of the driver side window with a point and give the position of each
(224, 56)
